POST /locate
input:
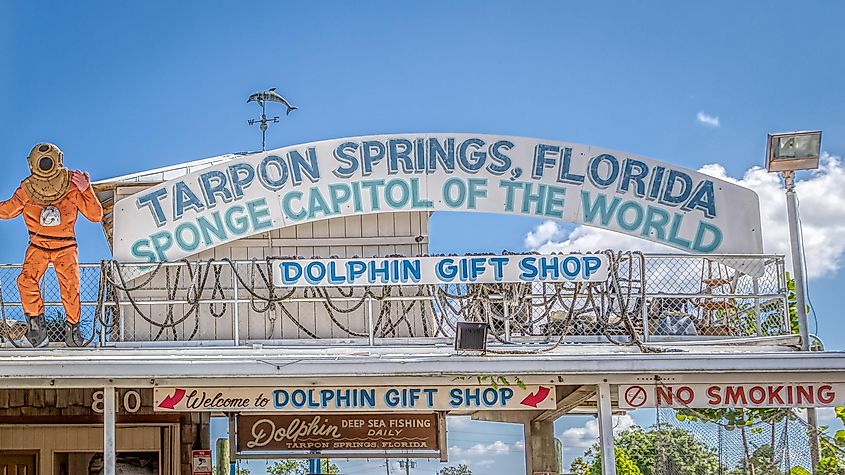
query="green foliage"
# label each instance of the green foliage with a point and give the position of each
(799, 471)
(734, 418)
(761, 462)
(284, 467)
(579, 466)
(624, 464)
(830, 466)
(221, 464)
(300, 467)
(461, 469)
(241, 471)
(679, 453)
(493, 380)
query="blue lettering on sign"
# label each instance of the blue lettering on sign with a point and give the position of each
(650, 222)
(152, 200)
(624, 193)
(477, 398)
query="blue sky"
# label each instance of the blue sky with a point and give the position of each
(126, 87)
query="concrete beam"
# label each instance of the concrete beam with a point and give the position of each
(540, 453)
(568, 402)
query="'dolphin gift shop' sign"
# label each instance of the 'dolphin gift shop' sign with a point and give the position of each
(437, 172)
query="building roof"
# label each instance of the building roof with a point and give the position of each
(255, 366)
(105, 189)
(162, 174)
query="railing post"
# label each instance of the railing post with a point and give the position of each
(644, 316)
(102, 318)
(643, 303)
(755, 282)
(787, 318)
(370, 329)
(507, 314)
(235, 311)
(116, 308)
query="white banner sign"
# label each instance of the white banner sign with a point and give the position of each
(732, 395)
(436, 172)
(440, 270)
(354, 399)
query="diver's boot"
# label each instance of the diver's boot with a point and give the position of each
(36, 331)
(73, 335)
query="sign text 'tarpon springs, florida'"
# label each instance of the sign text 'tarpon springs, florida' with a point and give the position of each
(440, 270)
(436, 172)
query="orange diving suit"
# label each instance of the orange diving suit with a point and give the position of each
(49, 200)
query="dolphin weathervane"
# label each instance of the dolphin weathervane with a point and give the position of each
(262, 97)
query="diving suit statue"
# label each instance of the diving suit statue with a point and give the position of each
(50, 199)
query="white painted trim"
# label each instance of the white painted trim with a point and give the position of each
(608, 455)
(109, 431)
(245, 367)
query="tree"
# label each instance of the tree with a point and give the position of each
(624, 464)
(300, 467)
(579, 466)
(284, 467)
(461, 469)
(742, 418)
(241, 471)
(221, 465)
(658, 451)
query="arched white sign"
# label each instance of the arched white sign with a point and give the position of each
(439, 172)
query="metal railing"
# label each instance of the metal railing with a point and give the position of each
(648, 298)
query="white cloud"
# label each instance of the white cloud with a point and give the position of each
(706, 119)
(822, 210)
(585, 436)
(458, 422)
(542, 234)
(497, 447)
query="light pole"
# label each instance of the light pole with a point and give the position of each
(786, 153)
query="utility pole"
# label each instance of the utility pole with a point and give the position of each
(787, 153)
(800, 298)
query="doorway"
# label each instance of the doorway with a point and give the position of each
(18, 463)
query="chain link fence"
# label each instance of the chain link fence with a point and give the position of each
(771, 445)
(13, 321)
(646, 298)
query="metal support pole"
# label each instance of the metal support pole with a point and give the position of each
(235, 312)
(507, 314)
(800, 297)
(102, 318)
(797, 258)
(370, 329)
(441, 436)
(644, 316)
(109, 457)
(608, 457)
(232, 444)
(757, 311)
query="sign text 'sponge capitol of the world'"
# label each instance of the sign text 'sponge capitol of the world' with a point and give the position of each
(441, 270)
(580, 184)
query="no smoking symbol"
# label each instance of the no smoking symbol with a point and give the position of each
(635, 396)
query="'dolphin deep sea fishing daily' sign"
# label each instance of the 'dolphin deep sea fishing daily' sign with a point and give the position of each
(436, 172)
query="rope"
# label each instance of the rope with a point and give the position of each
(528, 306)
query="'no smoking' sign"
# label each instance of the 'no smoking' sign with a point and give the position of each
(636, 396)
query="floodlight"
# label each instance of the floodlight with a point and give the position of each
(792, 151)
(471, 336)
